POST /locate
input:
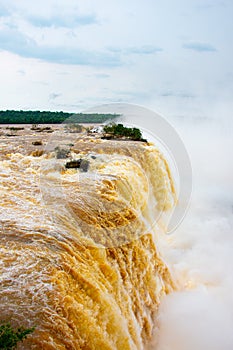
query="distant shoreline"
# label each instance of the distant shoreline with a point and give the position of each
(45, 124)
(46, 117)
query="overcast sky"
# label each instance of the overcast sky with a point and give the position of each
(174, 56)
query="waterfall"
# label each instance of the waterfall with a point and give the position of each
(79, 259)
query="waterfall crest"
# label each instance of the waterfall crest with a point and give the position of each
(78, 253)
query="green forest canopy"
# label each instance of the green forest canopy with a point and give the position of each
(47, 117)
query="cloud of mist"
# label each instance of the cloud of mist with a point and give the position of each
(199, 316)
(199, 253)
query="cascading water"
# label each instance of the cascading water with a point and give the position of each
(78, 251)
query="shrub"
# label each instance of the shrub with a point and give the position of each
(10, 337)
(119, 130)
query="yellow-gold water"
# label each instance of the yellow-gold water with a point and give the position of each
(78, 256)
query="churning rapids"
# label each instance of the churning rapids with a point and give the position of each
(78, 251)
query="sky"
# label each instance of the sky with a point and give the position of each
(174, 56)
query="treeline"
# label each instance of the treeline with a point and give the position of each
(47, 117)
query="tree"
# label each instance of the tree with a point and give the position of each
(119, 130)
(47, 117)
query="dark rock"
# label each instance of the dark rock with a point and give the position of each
(81, 164)
(37, 143)
(73, 164)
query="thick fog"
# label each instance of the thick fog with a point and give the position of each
(199, 253)
(199, 316)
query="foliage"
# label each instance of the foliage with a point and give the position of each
(10, 337)
(47, 117)
(119, 130)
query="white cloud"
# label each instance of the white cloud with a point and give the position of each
(199, 47)
(62, 21)
(16, 42)
(137, 50)
(54, 95)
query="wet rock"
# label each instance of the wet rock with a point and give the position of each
(81, 164)
(37, 143)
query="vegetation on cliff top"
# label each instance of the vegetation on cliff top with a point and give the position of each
(116, 131)
(47, 117)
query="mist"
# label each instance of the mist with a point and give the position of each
(199, 315)
(199, 253)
